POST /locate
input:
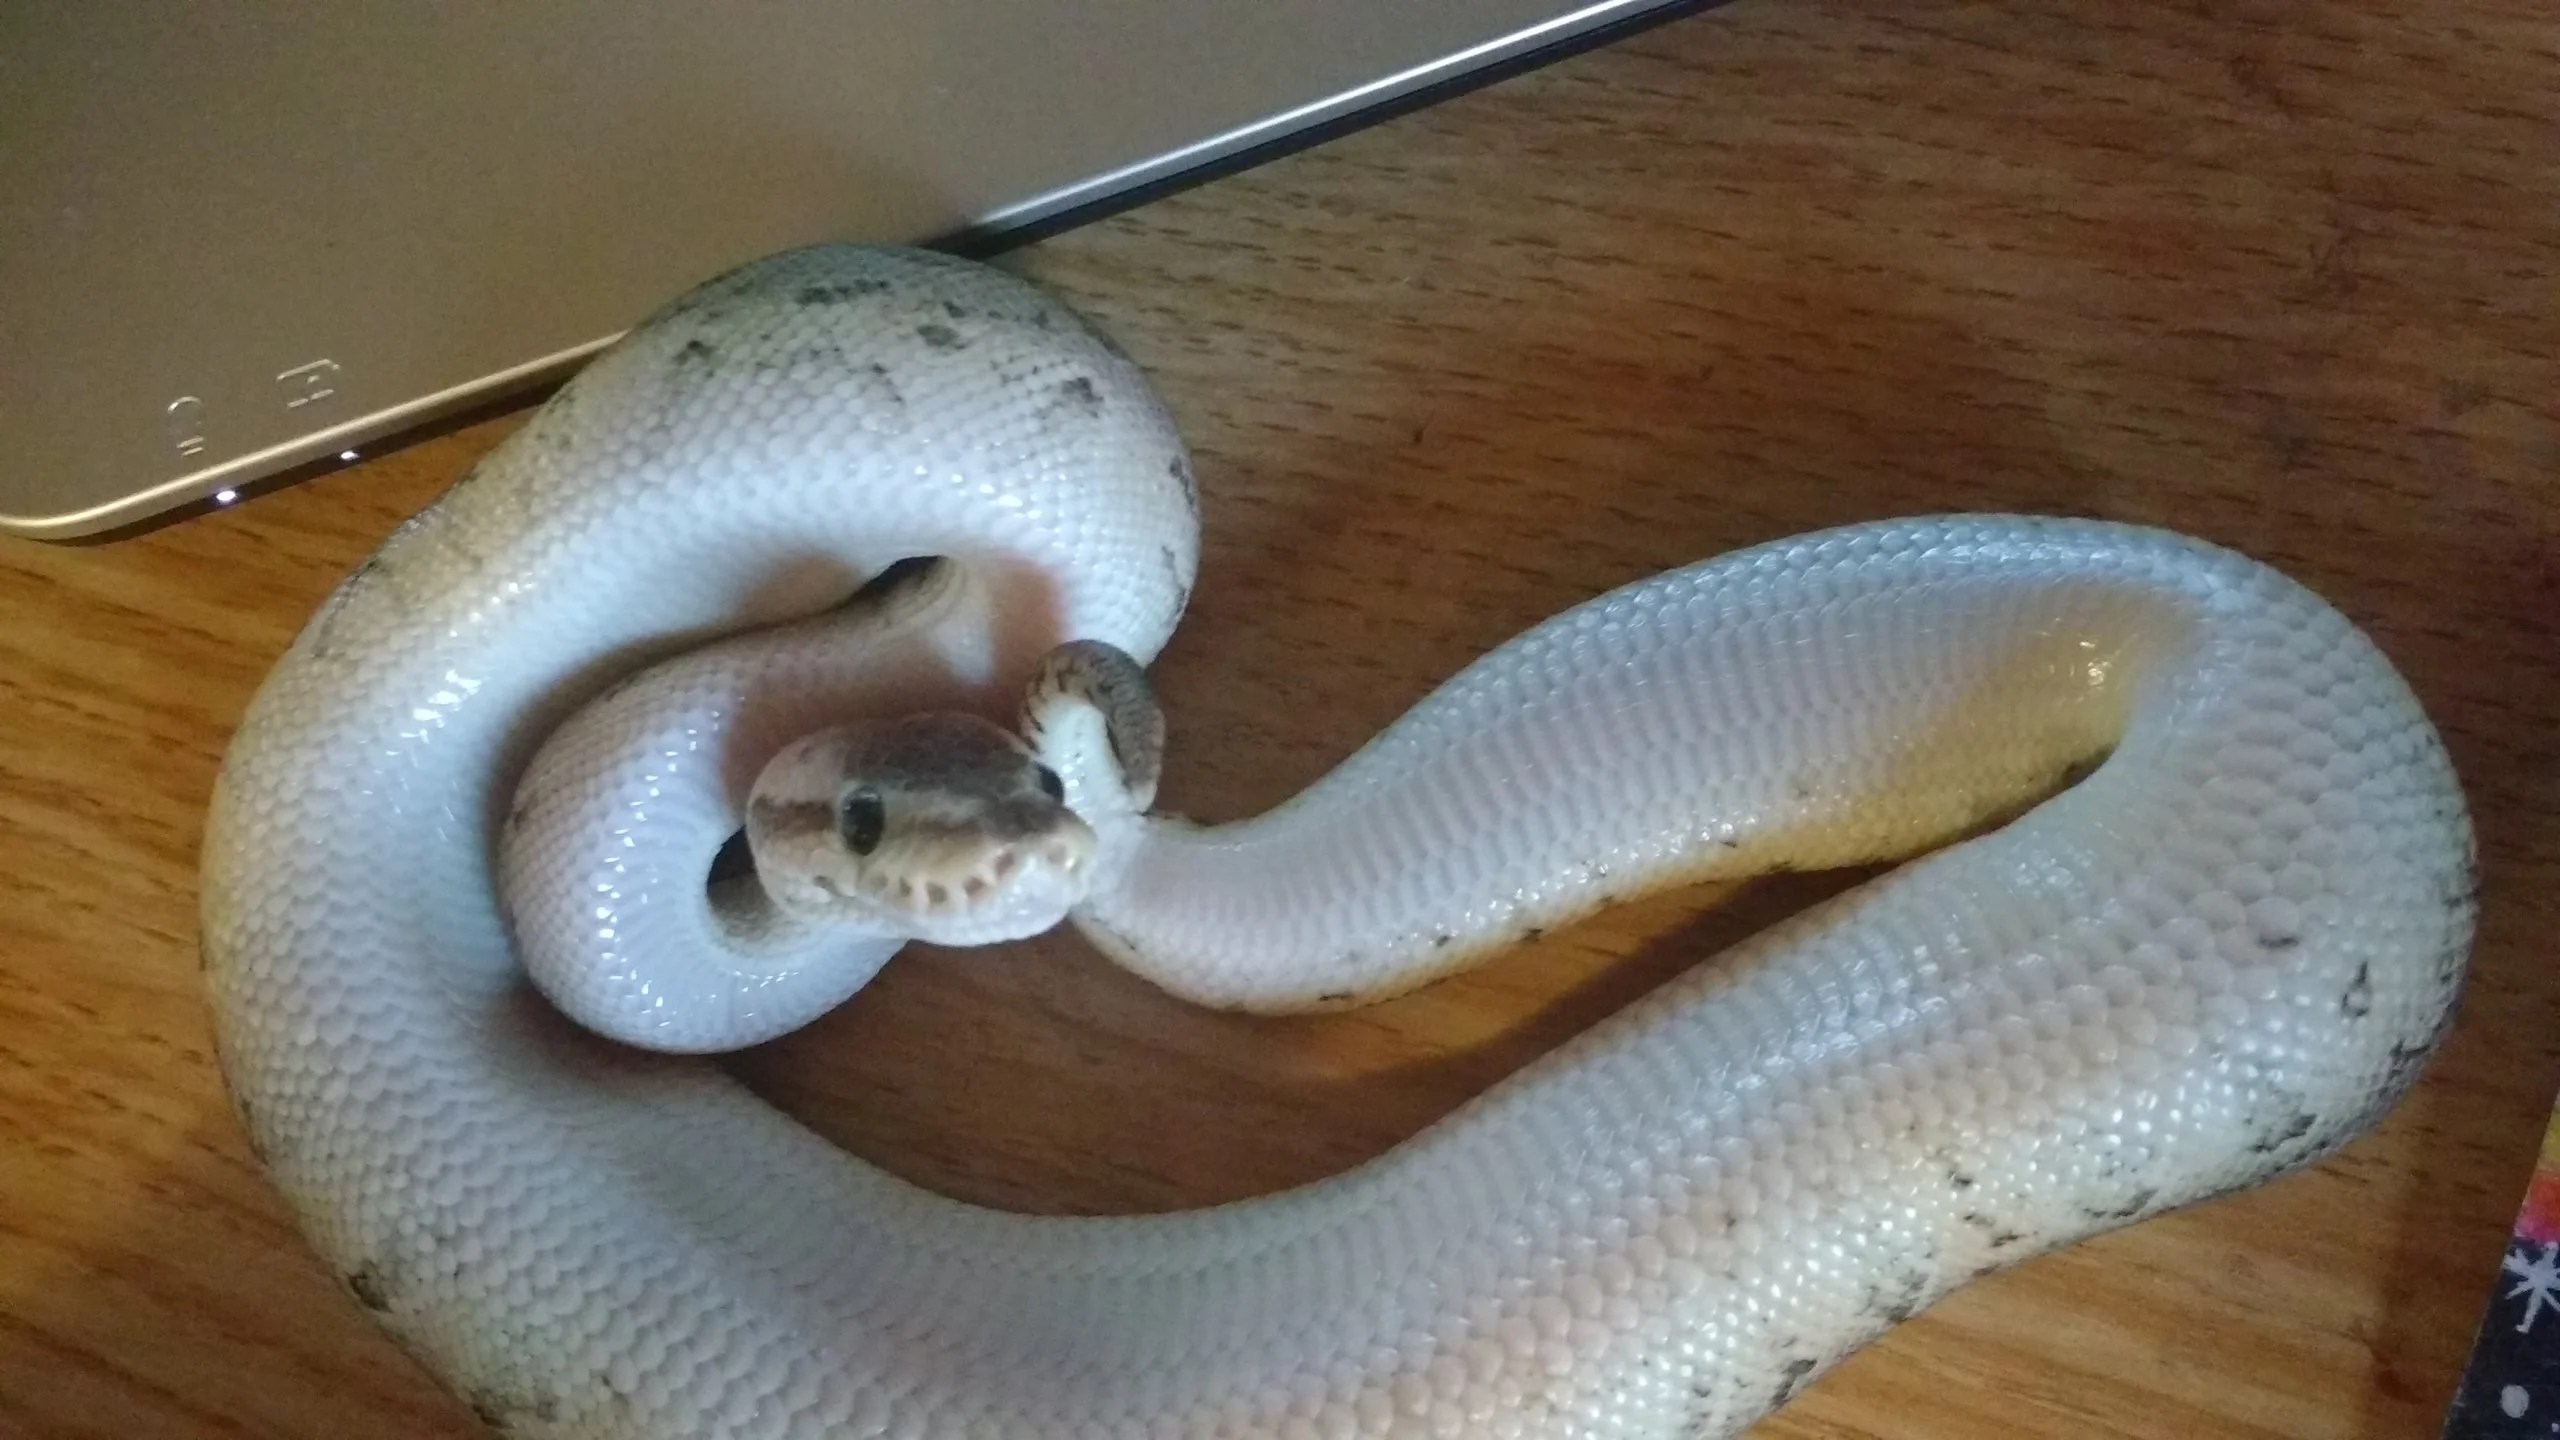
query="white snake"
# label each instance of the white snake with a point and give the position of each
(2222, 953)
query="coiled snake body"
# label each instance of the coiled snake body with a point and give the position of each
(2219, 954)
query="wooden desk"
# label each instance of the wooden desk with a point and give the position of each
(2279, 275)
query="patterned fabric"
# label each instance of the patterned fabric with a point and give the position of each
(2512, 1386)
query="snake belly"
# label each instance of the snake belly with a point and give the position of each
(2221, 954)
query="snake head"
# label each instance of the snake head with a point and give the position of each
(941, 827)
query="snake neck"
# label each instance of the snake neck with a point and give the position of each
(1728, 720)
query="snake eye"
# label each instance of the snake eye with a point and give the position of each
(860, 819)
(1052, 786)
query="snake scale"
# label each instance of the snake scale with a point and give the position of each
(2191, 902)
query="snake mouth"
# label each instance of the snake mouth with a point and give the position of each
(976, 894)
(1008, 891)
(949, 891)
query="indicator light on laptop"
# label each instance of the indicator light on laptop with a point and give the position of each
(346, 454)
(225, 497)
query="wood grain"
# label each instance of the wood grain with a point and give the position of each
(2279, 275)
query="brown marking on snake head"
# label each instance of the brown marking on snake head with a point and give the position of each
(782, 817)
(955, 755)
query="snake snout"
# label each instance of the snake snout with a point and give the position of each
(1060, 852)
(993, 889)
(1030, 865)
(1007, 862)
